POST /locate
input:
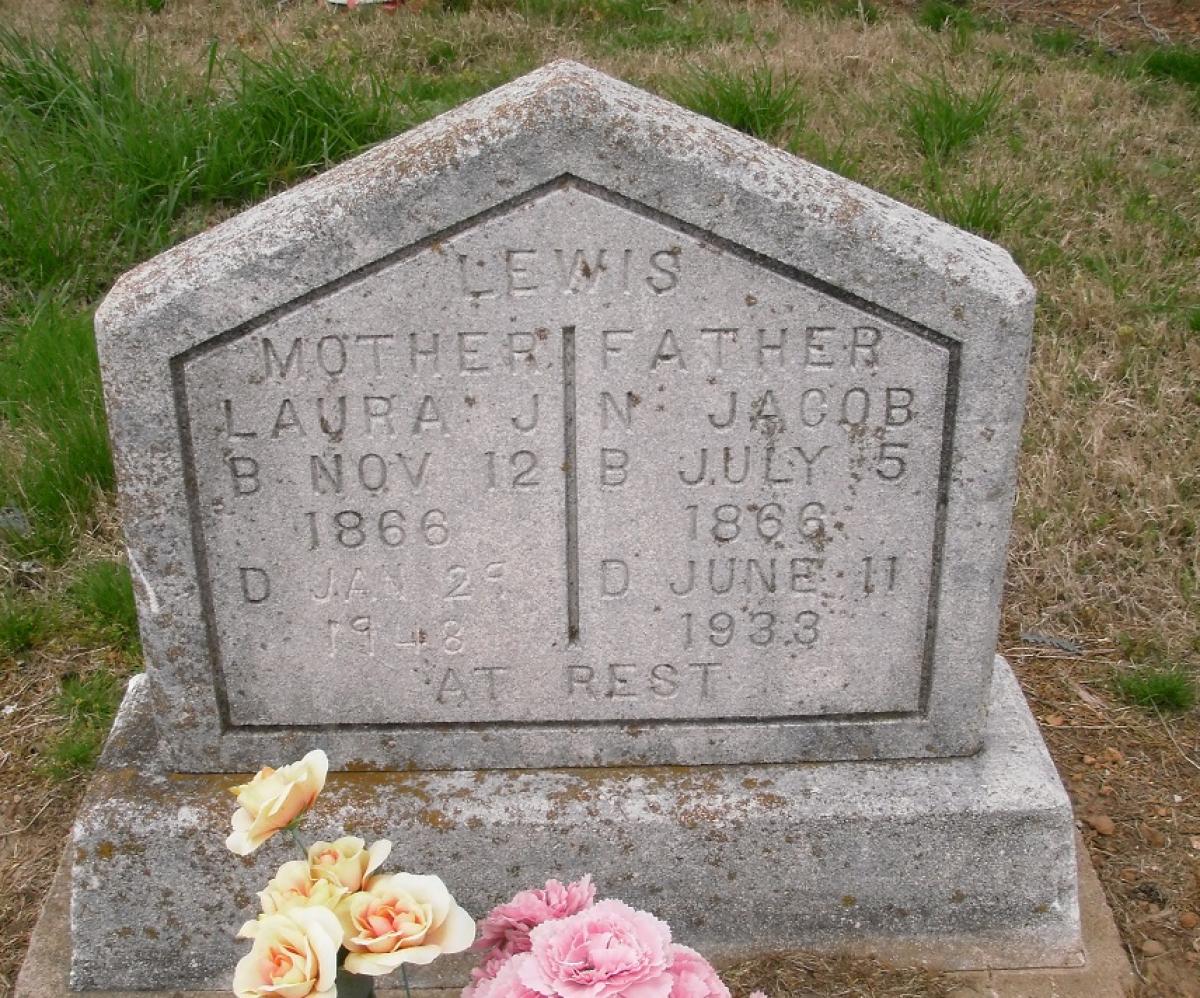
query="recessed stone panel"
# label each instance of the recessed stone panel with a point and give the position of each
(571, 462)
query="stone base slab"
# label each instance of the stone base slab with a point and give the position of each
(1105, 972)
(966, 863)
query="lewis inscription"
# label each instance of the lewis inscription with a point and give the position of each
(570, 461)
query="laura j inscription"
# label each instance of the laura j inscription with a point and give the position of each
(571, 461)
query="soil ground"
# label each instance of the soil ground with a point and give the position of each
(1110, 22)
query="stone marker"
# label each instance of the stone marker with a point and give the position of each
(573, 429)
(578, 430)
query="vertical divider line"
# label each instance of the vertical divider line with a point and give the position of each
(571, 471)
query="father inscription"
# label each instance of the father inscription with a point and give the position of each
(572, 460)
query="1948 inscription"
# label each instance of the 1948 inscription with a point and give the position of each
(570, 464)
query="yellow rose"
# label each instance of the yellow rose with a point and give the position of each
(294, 886)
(402, 918)
(346, 863)
(294, 956)
(274, 799)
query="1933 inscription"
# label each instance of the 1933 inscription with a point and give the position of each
(572, 463)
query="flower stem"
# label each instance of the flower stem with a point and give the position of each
(299, 842)
(404, 978)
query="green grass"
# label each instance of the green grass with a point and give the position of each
(642, 25)
(1058, 41)
(760, 102)
(942, 15)
(941, 120)
(23, 623)
(1149, 64)
(113, 147)
(616, 24)
(106, 158)
(987, 208)
(87, 704)
(50, 398)
(863, 10)
(1168, 688)
(103, 596)
(425, 95)
(839, 158)
(1179, 63)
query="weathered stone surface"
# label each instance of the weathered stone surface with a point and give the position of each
(14, 520)
(568, 429)
(969, 859)
(1105, 974)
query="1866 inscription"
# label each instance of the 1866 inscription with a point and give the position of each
(573, 462)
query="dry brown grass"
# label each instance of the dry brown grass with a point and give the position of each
(35, 808)
(809, 975)
(1105, 545)
(1142, 772)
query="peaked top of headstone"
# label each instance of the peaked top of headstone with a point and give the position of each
(566, 119)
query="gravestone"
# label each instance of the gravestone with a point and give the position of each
(571, 430)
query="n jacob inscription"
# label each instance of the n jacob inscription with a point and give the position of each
(569, 461)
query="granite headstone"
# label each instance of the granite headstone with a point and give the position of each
(572, 429)
(606, 437)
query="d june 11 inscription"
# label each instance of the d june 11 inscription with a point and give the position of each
(572, 462)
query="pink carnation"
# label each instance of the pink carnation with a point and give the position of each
(491, 969)
(507, 926)
(506, 983)
(605, 951)
(694, 976)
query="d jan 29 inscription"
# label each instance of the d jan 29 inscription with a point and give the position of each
(571, 461)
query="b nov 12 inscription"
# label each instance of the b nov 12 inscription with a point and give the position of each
(571, 462)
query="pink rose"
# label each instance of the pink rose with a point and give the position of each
(605, 951)
(508, 925)
(694, 976)
(505, 983)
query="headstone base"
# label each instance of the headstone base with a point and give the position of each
(961, 863)
(1105, 974)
